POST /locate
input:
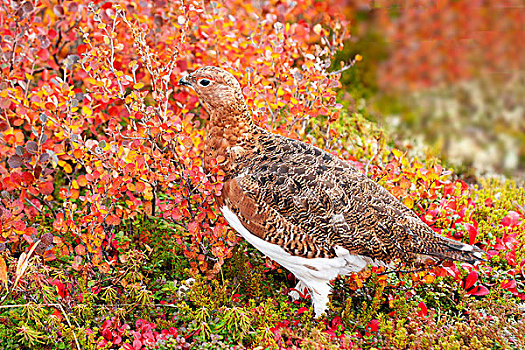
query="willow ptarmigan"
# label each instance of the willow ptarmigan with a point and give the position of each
(305, 208)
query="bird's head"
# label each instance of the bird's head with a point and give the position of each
(216, 87)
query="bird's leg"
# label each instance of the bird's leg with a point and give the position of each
(318, 289)
(299, 291)
(320, 297)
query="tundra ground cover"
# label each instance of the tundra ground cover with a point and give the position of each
(109, 234)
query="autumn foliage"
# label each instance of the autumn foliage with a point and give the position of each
(101, 173)
(97, 131)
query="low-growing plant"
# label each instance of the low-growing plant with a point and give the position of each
(110, 238)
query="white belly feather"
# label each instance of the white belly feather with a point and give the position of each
(315, 273)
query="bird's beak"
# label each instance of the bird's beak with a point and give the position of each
(184, 81)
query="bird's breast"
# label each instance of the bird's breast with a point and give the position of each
(231, 149)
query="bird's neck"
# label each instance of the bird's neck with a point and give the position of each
(232, 140)
(231, 125)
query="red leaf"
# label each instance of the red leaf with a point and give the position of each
(479, 291)
(81, 49)
(511, 257)
(57, 314)
(43, 55)
(28, 178)
(16, 178)
(336, 321)
(373, 325)
(472, 233)
(60, 287)
(51, 33)
(46, 188)
(423, 309)
(510, 284)
(471, 279)
(192, 227)
(19, 226)
(302, 310)
(511, 220)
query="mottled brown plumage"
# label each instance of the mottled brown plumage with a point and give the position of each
(294, 197)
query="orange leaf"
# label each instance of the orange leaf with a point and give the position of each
(82, 181)
(80, 249)
(148, 208)
(104, 267)
(404, 183)
(3, 272)
(140, 186)
(430, 278)
(77, 153)
(113, 220)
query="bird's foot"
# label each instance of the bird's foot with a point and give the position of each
(300, 291)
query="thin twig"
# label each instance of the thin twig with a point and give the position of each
(70, 326)
(370, 160)
(348, 66)
(105, 305)
(425, 268)
(33, 205)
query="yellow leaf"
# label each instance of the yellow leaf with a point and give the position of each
(409, 202)
(67, 168)
(138, 86)
(397, 153)
(148, 192)
(86, 110)
(3, 272)
(358, 58)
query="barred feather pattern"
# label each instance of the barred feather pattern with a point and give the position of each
(303, 200)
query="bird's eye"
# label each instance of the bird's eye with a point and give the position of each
(204, 82)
